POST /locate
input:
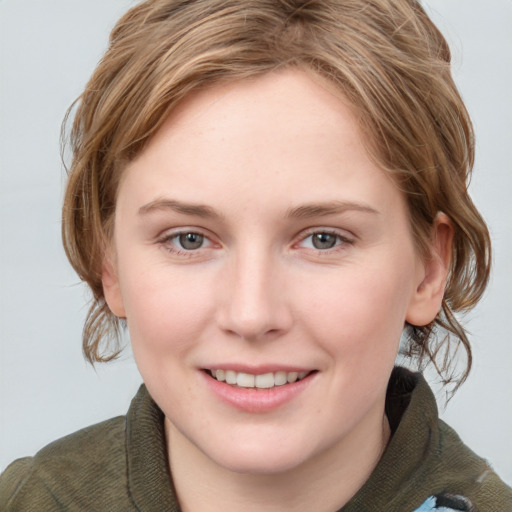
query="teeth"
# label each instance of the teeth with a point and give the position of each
(263, 381)
(230, 377)
(280, 378)
(267, 380)
(245, 380)
(292, 377)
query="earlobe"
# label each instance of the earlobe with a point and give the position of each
(111, 288)
(428, 296)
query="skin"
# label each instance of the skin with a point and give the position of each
(257, 292)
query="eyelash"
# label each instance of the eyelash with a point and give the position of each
(341, 240)
(167, 242)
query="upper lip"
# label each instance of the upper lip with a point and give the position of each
(258, 369)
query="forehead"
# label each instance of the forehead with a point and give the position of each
(287, 131)
(298, 91)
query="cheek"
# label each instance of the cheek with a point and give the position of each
(165, 310)
(361, 310)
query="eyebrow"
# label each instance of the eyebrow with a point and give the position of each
(197, 210)
(330, 208)
(300, 212)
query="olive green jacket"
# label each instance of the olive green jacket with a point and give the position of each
(121, 465)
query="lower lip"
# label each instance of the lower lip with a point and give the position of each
(257, 400)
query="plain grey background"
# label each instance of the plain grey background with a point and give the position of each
(48, 49)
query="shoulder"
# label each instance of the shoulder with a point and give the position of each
(427, 462)
(467, 474)
(72, 473)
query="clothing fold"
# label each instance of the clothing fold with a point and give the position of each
(121, 465)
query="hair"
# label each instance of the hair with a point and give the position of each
(386, 57)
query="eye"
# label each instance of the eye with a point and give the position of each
(189, 241)
(185, 242)
(324, 240)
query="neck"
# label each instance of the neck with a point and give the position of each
(324, 483)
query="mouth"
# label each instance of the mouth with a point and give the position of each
(260, 381)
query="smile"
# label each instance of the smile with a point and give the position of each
(260, 391)
(261, 381)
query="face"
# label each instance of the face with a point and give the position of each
(265, 267)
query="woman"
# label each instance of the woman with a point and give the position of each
(267, 193)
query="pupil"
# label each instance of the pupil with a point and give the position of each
(324, 241)
(191, 241)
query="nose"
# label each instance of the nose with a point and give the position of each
(254, 301)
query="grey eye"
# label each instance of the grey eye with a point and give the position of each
(191, 241)
(323, 240)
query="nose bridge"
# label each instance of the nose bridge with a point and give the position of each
(255, 304)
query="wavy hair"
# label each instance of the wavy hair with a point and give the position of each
(387, 59)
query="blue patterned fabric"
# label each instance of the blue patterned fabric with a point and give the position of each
(439, 504)
(428, 505)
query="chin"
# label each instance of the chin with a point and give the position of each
(259, 465)
(256, 459)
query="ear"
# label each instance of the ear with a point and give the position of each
(111, 288)
(432, 275)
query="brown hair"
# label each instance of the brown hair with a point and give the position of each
(385, 56)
